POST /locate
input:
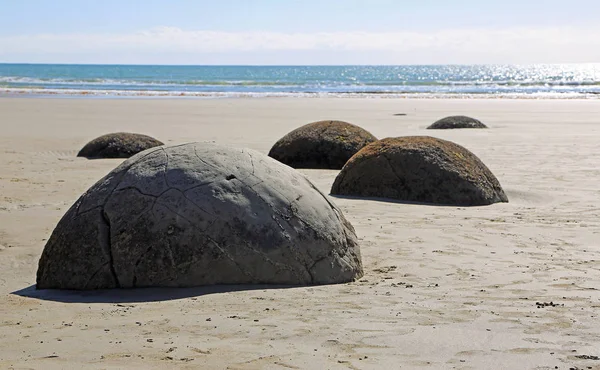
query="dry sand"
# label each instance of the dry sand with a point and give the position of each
(444, 287)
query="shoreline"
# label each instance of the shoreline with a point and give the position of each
(124, 94)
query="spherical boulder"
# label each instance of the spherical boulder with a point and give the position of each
(419, 169)
(456, 122)
(200, 214)
(323, 144)
(118, 145)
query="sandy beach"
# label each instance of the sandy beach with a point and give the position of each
(506, 286)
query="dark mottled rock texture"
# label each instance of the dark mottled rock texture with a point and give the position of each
(323, 144)
(199, 214)
(456, 122)
(419, 169)
(118, 145)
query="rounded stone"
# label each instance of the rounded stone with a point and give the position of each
(419, 169)
(456, 122)
(323, 144)
(200, 214)
(118, 145)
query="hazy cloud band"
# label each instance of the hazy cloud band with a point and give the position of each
(516, 45)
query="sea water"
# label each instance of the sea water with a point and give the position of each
(541, 80)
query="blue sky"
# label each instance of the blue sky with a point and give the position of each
(299, 31)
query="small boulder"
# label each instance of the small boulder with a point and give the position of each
(323, 144)
(419, 169)
(200, 214)
(118, 145)
(456, 122)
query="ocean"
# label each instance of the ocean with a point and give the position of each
(506, 81)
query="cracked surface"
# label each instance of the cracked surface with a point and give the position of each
(200, 214)
(419, 169)
(323, 144)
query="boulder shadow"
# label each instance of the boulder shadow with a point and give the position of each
(137, 295)
(405, 202)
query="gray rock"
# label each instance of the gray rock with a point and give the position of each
(419, 169)
(118, 145)
(323, 144)
(199, 214)
(456, 122)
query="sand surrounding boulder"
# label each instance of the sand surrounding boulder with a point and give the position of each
(199, 214)
(456, 122)
(323, 144)
(419, 169)
(118, 145)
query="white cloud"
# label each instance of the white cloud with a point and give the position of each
(174, 45)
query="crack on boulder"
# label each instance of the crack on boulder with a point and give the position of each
(158, 196)
(312, 266)
(166, 167)
(196, 205)
(136, 189)
(278, 265)
(137, 263)
(105, 241)
(221, 249)
(170, 254)
(175, 213)
(302, 221)
(105, 232)
(89, 210)
(198, 186)
(251, 162)
(258, 183)
(186, 264)
(229, 257)
(224, 252)
(276, 212)
(96, 273)
(162, 192)
(290, 204)
(192, 224)
(122, 175)
(203, 161)
(152, 209)
(392, 168)
(333, 207)
(243, 179)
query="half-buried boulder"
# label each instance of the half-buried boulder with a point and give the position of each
(199, 214)
(456, 122)
(118, 145)
(323, 144)
(419, 169)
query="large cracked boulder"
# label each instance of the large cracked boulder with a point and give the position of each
(323, 144)
(456, 122)
(419, 169)
(118, 145)
(199, 214)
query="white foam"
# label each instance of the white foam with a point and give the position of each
(196, 94)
